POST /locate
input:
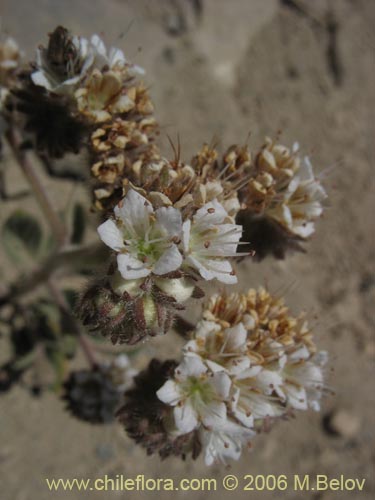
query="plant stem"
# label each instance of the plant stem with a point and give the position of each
(60, 233)
(69, 257)
(75, 324)
(46, 204)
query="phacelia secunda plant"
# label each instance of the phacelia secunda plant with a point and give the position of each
(164, 229)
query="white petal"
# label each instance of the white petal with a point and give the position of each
(169, 393)
(186, 227)
(236, 338)
(204, 329)
(111, 235)
(191, 366)
(304, 230)
(268, 381)
(214, 414)
(134, 211)
(238, 365)
(212, 213)
(222, 384)
(169, 261)
(99, 46)
(247, 420)
(300, 354)
(170, 219)
(39, 78)
(249, 373)
(185, 418)
(131, 268)
(215, 367)
(296, 397)
(211, 268)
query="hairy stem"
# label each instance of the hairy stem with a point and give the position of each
(69, 258)
(46, 204)
(74, 323)
(59, 230)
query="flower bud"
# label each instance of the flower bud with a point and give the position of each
(91, 395)
(127, 311)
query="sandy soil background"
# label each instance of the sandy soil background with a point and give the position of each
(236, 67)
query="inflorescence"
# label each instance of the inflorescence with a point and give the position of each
(170, 227)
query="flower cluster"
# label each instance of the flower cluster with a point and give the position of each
(283, 188)
(100, 104)
(249, 363)
(160, 254)
(10, 57)
(159, 242)
(169, 227)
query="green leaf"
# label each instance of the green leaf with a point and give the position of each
(23, 362)
(79, 224)
(58, 363)
(22, 236)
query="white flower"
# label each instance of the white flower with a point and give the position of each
(252, 396)
(64, 78)
(198, 396)
(144, 238)
(303, 382)
(219, 444)
(221, 349)
(208, 239)
(301, 203)
(78, 56)
(9, 54)
(113, 59)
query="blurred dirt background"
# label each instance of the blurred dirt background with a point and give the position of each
(224, 69)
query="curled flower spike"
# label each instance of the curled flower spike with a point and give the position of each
(64, 63)
(283, 188)
(249, 362)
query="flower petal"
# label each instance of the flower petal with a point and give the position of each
(169, 393)
(169, 219)
(186, 418)
(169, 261)
(134, 211)
(111, 235)
(191, 366)
(130, 267)
(214, 414)
(222, 384)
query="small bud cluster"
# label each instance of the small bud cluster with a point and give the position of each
(249, 363)
(94, 395)
(127, 311)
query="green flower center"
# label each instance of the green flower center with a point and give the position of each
(198, 390)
